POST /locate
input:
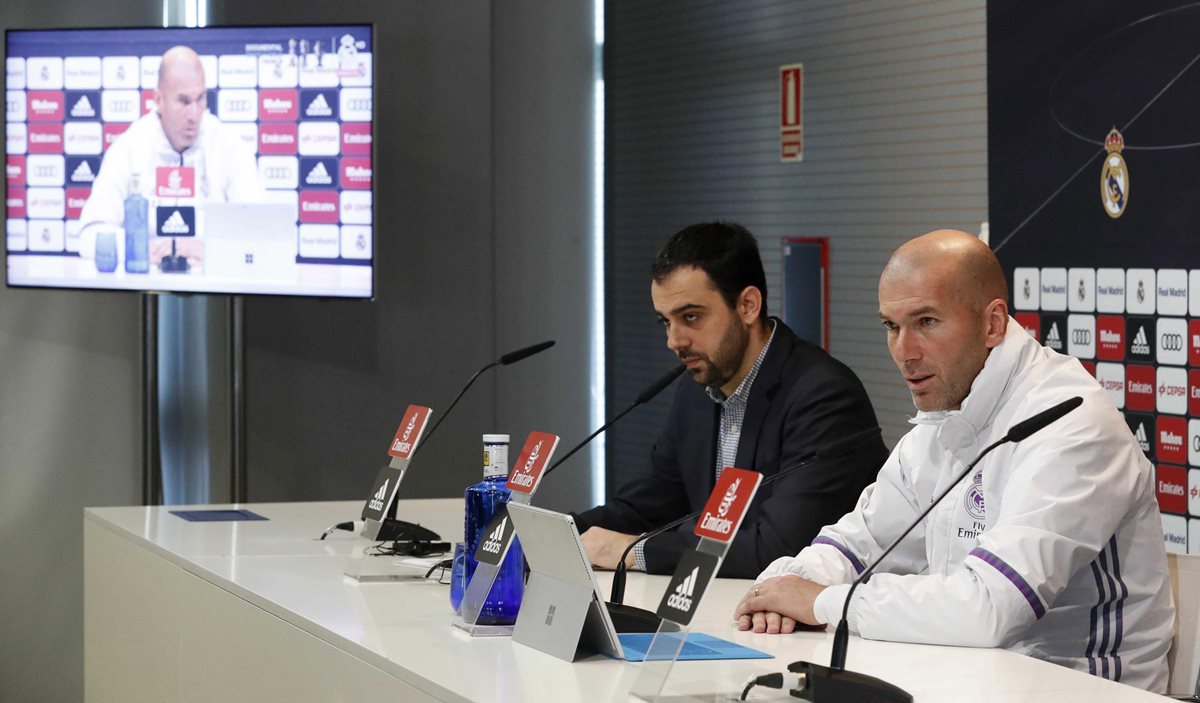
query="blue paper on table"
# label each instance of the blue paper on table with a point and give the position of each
(697, 647)
(217, 515)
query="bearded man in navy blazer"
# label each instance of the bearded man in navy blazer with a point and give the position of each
(761, 399)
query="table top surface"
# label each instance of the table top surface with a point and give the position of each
(405, 628)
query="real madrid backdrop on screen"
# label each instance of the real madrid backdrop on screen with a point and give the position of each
(1094, 200)
(300, 95)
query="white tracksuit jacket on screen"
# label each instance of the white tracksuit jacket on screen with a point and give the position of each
(1053, 547)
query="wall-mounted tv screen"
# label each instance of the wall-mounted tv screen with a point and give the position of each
(211, 160)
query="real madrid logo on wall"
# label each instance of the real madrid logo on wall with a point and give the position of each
(1114, 178)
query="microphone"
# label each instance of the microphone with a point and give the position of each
(837, 684)
(392, 528)
(632, 617)
(645, 396)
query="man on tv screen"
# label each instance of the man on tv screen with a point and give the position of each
(180, 154)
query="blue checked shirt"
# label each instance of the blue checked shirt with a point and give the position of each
(733, 412)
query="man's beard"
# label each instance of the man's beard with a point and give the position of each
(716, 370)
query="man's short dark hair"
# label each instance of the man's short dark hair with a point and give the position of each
(726, 251)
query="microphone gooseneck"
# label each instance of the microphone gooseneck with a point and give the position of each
(835, 683)
(514, 356)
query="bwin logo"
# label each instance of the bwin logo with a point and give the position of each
(1083, 337)
(319, 175)
(681, 599)
(376, 503)
(1171, 342)
(1140, 344)
(493, 543)
(1053, 339)
(175, 225)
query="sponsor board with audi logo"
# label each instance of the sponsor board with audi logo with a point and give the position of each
(46, 235)
(279, 171)
(1172, 290)
(355, 104)
(14, 170)
(175, 182)
(81, 72)
(317, 242)
(1054, 332)
(277, 138)
(1171, 346)
(356, 139)
(1110, 338)
(110, 132)
(82, 104)
(237, 104)
(535, 455)
(176, 221)
(76, 198)
(356, 207)
(1081, 290)
(356, 172)
(727, 504)
(687, 586)
(1175, 537)
(318, 172)
(319, 139)
(1112, 379)
(1193, 428)
(1081, 336)
(16, 138)
(1054, 289)
(83, 138)
(1171, 436)
(409, 432)
(46, 202)
(45, 106)
(318, 207)
(44, 73)
(1193, 391)
(1140, 335)
(1031, 323)
(122, 72)
(1170, 484)
(1142, 427)
(278, 105)
(1172, 390)
(319, 104)
(14, 203)
(119, 105)
(46, 170)
(14, 106)
(1140, 293)
(45, 138)
(1110, 290)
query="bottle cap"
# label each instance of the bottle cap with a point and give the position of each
(495, 439)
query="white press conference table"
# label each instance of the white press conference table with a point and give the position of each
(260, 611)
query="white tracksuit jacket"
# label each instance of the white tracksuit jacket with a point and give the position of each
(1053, 547)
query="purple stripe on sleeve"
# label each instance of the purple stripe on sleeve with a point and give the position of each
(858, 565)
(999, 565)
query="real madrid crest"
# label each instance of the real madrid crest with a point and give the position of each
(1114, 178)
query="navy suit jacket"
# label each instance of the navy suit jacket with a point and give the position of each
(801, 400)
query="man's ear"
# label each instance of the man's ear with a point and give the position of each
(996, 322)
(749, 304)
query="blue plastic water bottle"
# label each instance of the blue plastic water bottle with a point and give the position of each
(504, 601)
(137, 231)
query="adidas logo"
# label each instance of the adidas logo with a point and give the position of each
(377, 501)
(83, 108)
(1140, 344)
(319, 107)
(1142, 441)
(319, 176)
(1053, 339)
(175, 225)
(83, 173)
(681, 599)
(493, 543)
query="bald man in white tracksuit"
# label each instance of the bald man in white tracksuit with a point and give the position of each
(1053, 547)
